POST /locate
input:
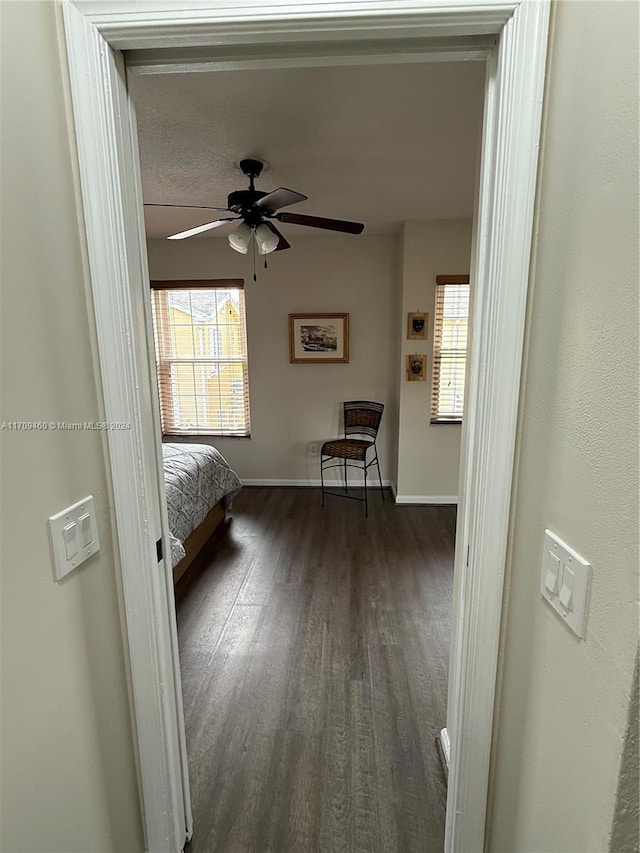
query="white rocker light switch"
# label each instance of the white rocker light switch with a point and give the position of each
(566, 592)
(69, 534)
(86, 534)
(551, 576)
(74, 536)
(564, 582)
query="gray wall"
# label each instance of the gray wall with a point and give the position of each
(428, 456)
(562, 711)
(295, 404)
(377, 280)
(625, 828)
(68, 775)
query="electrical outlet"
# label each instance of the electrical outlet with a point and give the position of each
(313, 449)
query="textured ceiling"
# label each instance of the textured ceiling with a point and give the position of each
(377, 144)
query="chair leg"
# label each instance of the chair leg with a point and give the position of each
(366, 500)
(322, 479)
(380, 476)
(346, 487)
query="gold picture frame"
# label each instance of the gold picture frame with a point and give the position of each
(417, 325)
(417, 367)
(318, 338)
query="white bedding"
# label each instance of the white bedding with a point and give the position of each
(196, 477)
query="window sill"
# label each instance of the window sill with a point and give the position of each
(187, 436)
(446, 422)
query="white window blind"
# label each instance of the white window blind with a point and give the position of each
(450, 348)
(201, 357)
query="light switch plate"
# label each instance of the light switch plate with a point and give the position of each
(568, 595)
(74, 537)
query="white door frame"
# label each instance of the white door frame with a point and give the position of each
(285, 33)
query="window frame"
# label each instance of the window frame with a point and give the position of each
(435, 419)
(163, 365)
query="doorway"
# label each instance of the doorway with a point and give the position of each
(352, 140)
(104, 124)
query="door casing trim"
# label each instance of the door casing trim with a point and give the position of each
(96, 31)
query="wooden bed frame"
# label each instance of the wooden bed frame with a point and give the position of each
(197, 539)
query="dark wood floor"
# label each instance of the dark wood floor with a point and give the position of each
(314, 651)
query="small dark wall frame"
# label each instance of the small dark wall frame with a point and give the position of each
(416, 367)
(418, 326)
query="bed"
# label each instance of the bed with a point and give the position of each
(200, 487)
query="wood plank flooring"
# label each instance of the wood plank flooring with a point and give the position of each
(314, 651)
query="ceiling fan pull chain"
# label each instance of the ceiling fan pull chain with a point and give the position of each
(253, 245)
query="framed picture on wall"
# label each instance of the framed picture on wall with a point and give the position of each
(416, 367)
(318, 338)
(417, 325)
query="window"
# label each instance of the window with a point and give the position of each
(450, 348)
(201, 357)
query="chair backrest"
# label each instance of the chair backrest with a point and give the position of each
(362, 417)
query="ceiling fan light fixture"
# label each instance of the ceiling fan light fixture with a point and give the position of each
(239, 240)
(257, 209)
(267, 241)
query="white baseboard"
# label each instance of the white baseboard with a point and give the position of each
(426, 499)
(316, 483)
(408, 500)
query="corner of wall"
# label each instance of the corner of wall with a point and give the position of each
(428, 456)
(625, 831)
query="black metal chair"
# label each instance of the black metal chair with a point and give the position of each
(361, 418)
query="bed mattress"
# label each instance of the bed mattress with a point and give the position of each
(196, 477)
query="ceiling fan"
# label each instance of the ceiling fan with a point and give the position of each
(257, 210)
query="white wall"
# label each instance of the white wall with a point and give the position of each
(428, 455)
(295, 404)
(68, 776)
(563, 705)
(377, 280)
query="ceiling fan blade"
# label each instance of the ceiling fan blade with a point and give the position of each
(187, 206)
(321, 222)
(282, 197)
(284, 243)
(200, 228)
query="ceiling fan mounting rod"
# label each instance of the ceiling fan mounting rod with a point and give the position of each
(252, 169)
